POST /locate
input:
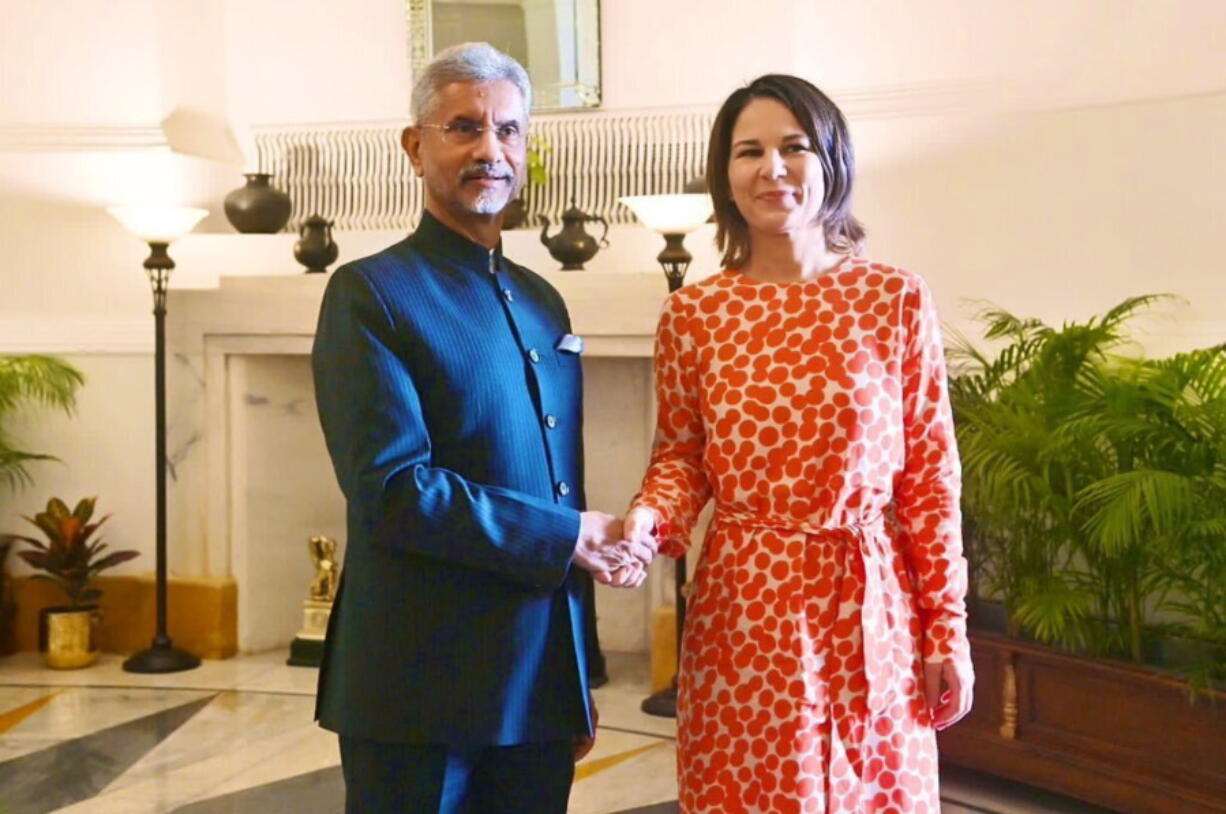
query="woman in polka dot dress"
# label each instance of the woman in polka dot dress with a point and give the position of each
(803, 388)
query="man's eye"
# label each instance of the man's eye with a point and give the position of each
(464, 128)
(508, 130)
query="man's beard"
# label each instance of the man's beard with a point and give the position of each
(491, 201)
(494, 200)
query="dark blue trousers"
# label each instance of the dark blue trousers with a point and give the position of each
(400, 778)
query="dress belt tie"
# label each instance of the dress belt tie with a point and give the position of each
(869, 569)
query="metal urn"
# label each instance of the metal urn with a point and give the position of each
(573, 246)
(315, 248)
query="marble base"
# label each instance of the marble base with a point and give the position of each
(307, 649)
(306, 653)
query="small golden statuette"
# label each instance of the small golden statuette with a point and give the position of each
(308, 646)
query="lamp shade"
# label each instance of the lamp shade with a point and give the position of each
(158, 224)
(670, 214)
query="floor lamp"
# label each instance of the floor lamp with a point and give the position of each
(159, 227)
(673, 216)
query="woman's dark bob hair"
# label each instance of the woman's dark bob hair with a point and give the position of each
(826, 128)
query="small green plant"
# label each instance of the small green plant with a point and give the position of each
(38, 379)
(538, 173)
(69, 558)
(1095, 484)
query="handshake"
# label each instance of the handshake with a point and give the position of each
(616, 551)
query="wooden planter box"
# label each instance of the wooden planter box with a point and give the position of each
(1109, 733)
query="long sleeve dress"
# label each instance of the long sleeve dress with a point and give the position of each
(815, 413)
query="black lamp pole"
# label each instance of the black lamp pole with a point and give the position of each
(676, 261)
(161, 656)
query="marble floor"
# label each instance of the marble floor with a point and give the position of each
(237, 736)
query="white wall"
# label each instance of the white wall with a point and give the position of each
(1052, 157)
(1087, 49)
(689, 52)
(69, 61)
(1059, 215)
(316, 60)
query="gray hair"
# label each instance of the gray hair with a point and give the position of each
(467, 62)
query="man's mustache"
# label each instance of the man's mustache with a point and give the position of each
(500, 172)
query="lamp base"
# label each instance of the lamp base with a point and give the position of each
(161, 658)
(662, 704)
(675, 260)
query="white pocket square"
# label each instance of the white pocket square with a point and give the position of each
(569, 343)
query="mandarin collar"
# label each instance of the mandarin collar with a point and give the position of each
(433, 237)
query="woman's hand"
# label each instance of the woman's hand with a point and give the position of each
(950, 706)
(640, 527)
(638, 532)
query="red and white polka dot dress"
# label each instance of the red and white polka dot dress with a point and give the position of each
(816, 415)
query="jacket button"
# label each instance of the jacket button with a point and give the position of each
(507, 295)
(551, 421)
(563, 488)
(534, 356)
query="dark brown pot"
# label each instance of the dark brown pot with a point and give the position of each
(515, 215)
(315, 248)
(257, 207)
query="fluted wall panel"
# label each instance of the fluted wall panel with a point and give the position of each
(361, 179)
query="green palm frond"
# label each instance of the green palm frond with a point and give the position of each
(1210, 527)
(1054, 611)
(1127, 309)
(13, 472)
(1131, 507)
(1001, 324)
(39, 380)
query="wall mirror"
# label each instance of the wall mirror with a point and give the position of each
(558, 41)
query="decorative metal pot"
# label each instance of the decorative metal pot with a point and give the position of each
(258, 207)
(68, 637)
(573, 246)
(315, 248)
(515, 214)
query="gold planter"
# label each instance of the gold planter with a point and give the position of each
(68, 637)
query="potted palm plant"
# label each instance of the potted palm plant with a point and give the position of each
(1095, 494)
(68, 558)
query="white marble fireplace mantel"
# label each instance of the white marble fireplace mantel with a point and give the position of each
(251, 480)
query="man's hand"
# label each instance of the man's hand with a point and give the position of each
(628, 576)
(611, 559)
(639, 535)
(638, 528)
(950, 706)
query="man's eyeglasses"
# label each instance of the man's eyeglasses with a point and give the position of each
(464, 133)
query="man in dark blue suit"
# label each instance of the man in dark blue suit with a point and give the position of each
(449, 390)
